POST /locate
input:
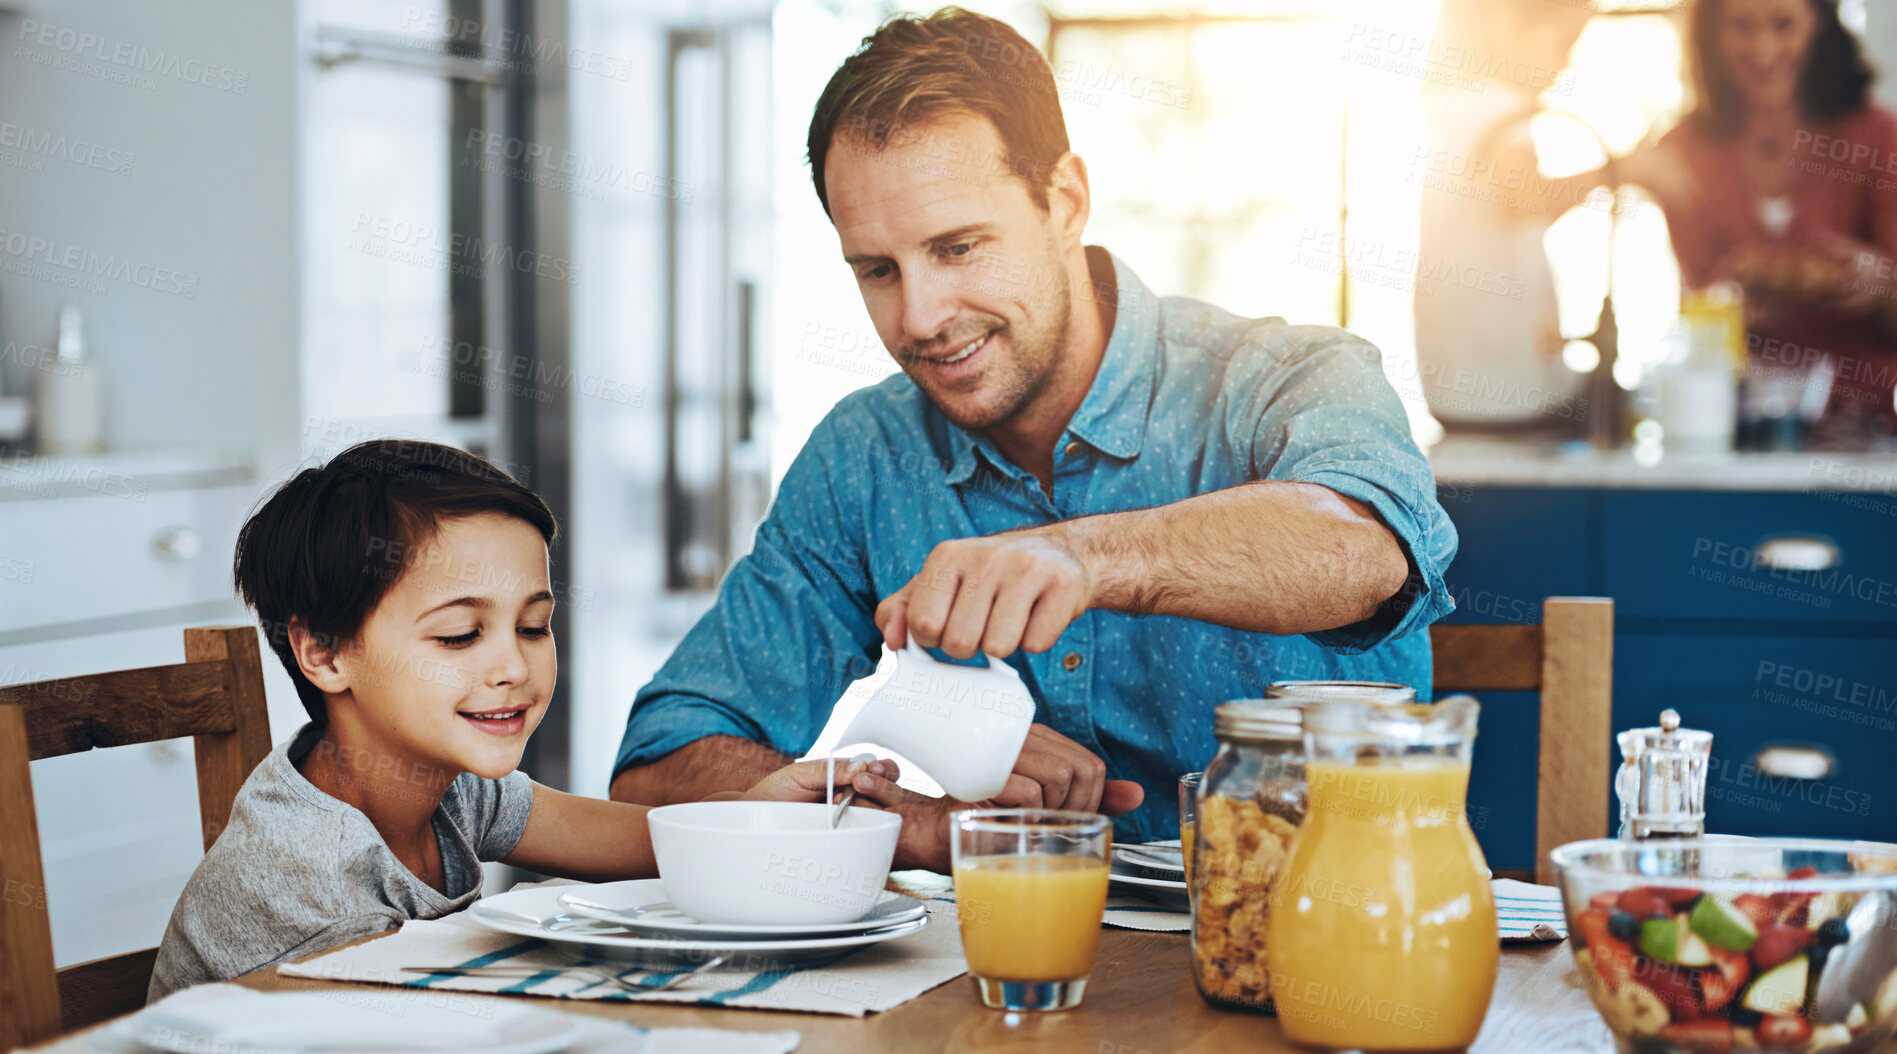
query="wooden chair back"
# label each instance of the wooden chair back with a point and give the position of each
(1569, 659)
(215, 696)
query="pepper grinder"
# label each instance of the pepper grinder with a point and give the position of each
(1662, 780)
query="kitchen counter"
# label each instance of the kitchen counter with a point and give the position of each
(1461, 461)
(124, 474)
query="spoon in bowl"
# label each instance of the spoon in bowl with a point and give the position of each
(836, 817)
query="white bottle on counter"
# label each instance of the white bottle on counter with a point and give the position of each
(71, 408)
(1699, 397)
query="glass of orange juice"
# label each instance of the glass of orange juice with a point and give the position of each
(1030, 889)
(1188, 815)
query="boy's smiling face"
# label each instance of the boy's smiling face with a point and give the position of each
(453, 669)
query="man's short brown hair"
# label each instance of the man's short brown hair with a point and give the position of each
(913, 69)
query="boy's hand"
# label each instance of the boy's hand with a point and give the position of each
(873, 781)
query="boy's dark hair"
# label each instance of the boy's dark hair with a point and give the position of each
(1835, 81)
(913, 69)
(331, 542)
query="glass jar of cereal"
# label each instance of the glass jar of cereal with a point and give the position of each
(1251, 801)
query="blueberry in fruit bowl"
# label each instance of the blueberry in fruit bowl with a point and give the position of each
(1834, 931)
(1622, 924)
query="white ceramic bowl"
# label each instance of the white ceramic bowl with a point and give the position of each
(771, 862)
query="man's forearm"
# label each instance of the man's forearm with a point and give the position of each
(700, 768)
(1272, 557)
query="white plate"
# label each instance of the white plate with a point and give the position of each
(667, 921)
(1167, 893)
(524, 912)
(1142, 859)
(1170, 884)
(214, 1017)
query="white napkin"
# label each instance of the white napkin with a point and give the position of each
(1527, 912)
(227, 1017)
(870, 979)
(219, 1017)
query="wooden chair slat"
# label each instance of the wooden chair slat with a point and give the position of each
(1487, 658)
(217, 696)
(226, 759)
(74, 714)
(29, 995)
(104, 988)
(1577, 725)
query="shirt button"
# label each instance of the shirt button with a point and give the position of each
(1072, 661)
(1073, 447)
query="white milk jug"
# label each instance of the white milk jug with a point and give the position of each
(963, 725)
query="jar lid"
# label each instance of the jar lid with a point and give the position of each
(1388, 693)
(1259, 720)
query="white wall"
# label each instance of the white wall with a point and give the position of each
(1880, 39)
(623, 624)
(160, 138)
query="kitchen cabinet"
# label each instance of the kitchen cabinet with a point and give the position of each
(104, 562)
(1755, 594)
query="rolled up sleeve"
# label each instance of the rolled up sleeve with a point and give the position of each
(792, 626)
(1332, 419)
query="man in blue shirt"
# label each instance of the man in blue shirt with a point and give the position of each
(1149, 506)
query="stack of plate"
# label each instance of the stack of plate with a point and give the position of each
(633, 922)
(1153, 870)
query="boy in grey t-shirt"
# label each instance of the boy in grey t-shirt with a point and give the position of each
(405, 588)
(298, 871)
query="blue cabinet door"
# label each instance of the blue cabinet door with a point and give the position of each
(1503, 776)
(1839, 696)
(1709, 556)
(1519, 546)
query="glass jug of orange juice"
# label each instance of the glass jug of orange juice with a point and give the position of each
(1382, 929)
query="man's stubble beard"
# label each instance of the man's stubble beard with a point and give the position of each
(1031, 374)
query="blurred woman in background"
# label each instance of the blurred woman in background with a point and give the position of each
(1783, 178)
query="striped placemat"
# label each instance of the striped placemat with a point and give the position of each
(858, 982)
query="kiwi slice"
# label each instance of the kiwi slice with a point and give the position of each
(1722, 924)
(1672, 940)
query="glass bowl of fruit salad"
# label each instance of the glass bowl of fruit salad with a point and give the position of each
(1719, 944)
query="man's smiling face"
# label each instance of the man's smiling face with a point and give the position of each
(963, 273)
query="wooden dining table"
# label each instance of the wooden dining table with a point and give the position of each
(1139, 1000)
